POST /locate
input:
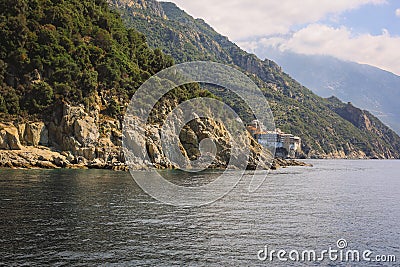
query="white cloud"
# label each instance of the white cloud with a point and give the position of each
(377, 50)
(296, 27)
(240, 19)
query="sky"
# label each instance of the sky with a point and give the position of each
(364, 31)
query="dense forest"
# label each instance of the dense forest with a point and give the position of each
(69, 50)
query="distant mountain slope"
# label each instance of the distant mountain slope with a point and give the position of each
(325, 133)
(365, 86)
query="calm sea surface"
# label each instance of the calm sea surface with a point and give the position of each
(96, 217)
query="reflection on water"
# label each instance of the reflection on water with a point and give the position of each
(190, 179)
(95, 217)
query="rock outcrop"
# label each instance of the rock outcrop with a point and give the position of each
(77, 138)
(35, 134)
(9, 137)
(82, 147)
(202, 143)
(72, 138)
(77, 131)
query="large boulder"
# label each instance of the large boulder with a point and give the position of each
(9, 137)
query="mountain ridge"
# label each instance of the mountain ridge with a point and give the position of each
(366, 86)
(297, 110)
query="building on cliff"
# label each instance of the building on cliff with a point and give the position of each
(286, 145)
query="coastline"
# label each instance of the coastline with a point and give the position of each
(45, 158)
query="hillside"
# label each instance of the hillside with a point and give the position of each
(67, 73)
(296, 109)
(54, 51)
(68, 70)
(365, 86)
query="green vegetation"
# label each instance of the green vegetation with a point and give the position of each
(81, 52)
(69, 50)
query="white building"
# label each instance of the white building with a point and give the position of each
(286, 144)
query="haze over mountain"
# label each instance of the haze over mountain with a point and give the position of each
(365, 86)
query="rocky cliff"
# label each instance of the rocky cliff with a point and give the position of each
(367, 122)
(74, 138)
(71, 138)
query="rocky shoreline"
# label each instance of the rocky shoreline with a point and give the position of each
(45, 158)
(283, 163)
(77, 138)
